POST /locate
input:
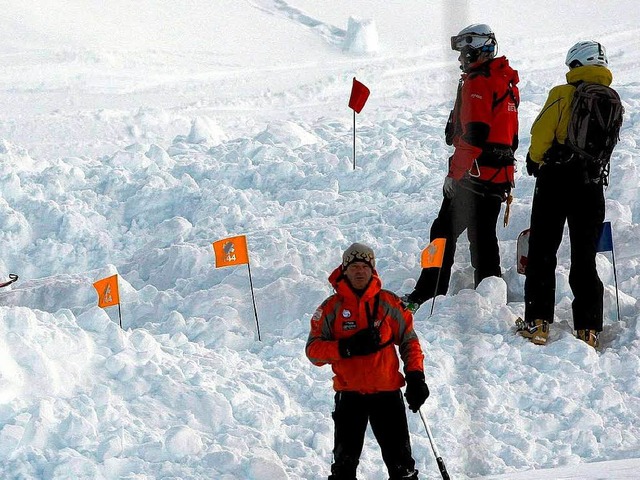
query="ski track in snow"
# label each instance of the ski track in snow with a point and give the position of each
(331, 34)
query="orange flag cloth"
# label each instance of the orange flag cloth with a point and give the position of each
(231, 251)
(433, 255)
(107, 289)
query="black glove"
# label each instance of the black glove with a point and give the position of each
(449, 187)
(417, 391)
(363, 342)
(533, 168)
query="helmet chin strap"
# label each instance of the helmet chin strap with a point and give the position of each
(471, 57)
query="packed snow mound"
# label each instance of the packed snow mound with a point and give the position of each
(205, 130)
(287, 134)
(361, 37)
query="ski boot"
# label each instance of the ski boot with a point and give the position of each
(537, 331)
(590, 337)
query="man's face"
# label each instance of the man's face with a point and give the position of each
(359, 274)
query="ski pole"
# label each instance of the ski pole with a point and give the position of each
(440, 462)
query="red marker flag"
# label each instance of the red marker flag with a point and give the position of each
(433, 255)
(359, 95)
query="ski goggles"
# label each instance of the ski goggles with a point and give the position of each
(480, 42)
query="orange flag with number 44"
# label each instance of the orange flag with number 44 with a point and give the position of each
(107, 289)
(231, 251)
(433, 255)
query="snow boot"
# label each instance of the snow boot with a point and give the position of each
(590, 337)
(537, 331)
(409, 476)
(401, 473)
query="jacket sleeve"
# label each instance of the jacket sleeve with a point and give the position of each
(406, 338)
(410, 350)
(475, 118)
(321, 347)
(551, 123)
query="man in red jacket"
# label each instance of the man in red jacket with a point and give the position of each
(356, 331)
(483, 129)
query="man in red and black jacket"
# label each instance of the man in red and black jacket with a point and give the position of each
(356, 331)
(483, 129)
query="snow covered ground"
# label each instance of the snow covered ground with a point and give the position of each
(134, 135)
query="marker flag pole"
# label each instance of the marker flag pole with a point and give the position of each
(354, 139)
(233, 251)
(359, 95)
(253, 298)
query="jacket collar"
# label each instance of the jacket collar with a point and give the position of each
(591, 74)
(340, 284)
(498, 65)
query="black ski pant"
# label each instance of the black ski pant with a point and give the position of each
(478, 215)
(385, 411)
(562, 195)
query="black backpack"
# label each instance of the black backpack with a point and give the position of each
(594, 128)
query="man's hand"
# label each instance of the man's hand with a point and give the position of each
(364, 342)
(417, 391)
(449, 187)
(533, 168)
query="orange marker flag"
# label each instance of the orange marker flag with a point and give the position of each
(107, 289)
(231, 251)
(359, 95)
(433, 255)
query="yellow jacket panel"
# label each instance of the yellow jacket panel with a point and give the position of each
(553, 121)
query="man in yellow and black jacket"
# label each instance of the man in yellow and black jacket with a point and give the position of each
(562, 195)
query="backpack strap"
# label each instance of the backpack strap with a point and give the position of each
(509, 93)
(371, 318)
(453, 127)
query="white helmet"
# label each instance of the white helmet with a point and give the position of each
(473, 41)
(586, 53)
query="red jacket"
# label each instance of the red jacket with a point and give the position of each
(485, 123)
(343, 314)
